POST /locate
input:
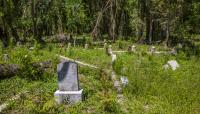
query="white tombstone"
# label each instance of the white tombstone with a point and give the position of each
(124, 81)
(69, 45)
(69, 91)
(86, 46)
(133, 48)
(114, 57)
(5, 57)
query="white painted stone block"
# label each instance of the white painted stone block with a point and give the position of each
(68, 96)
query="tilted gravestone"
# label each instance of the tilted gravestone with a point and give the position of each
(68, 82)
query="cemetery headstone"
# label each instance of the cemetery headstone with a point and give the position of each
(110, 50)
(68, 82)
(133, 49)
(5, 57)
(86, 46)
(124, 81)
(152, 50)
(180, 45)
(105, 45)
(69, 45)
(114, 57)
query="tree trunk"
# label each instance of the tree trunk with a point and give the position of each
(4, 34)
(150, 31)
(167, 34)
(33, 11)
(8, 70)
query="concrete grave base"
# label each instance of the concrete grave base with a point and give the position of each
(68, 96)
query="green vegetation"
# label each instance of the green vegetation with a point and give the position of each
(151, 89)
(33, 33)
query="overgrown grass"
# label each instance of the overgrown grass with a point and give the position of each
(151, 88)
(99, 96)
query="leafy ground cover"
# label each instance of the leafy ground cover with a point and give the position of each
(151, 88)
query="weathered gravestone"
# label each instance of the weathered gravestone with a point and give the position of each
(109, 50)
(133, 48)
(68, 82)
(86, 46)
(105, 45)
(152, 50)
(69, 45)
(5, 57)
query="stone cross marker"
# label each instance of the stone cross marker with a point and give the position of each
(68, 83)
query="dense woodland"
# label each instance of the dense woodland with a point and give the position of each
(144, 21)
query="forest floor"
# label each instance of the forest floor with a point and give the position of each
(151, 88)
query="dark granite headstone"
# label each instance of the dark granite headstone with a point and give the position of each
(68, 76)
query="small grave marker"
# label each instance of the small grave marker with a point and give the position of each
(110, 50)
(105, 45)
(69, 45)
(68, 82)
(133, 49)
(124, 81)
(86, 46)
(180, 45)
(5, 57)
(152, 50)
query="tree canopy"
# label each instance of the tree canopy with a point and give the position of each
(147, 21)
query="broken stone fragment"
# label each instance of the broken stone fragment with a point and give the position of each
(173, 64)
(31, 48)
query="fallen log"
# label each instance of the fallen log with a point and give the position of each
(10, 70)
(79, 62)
